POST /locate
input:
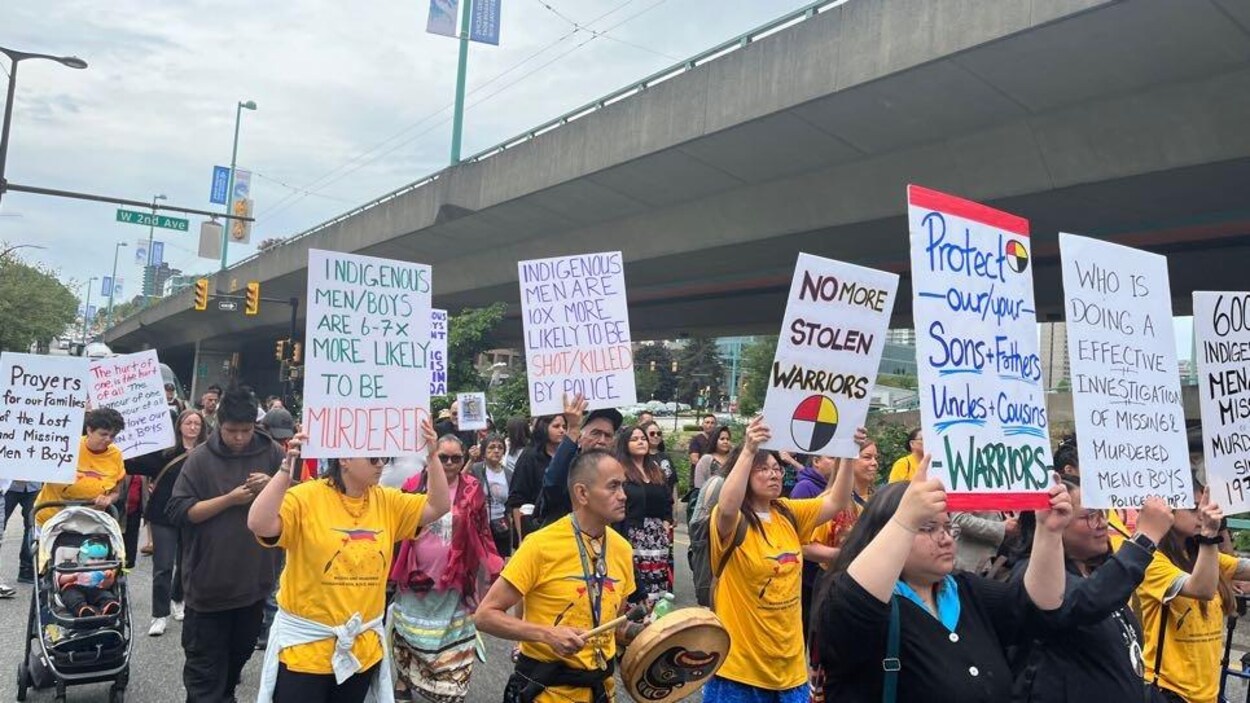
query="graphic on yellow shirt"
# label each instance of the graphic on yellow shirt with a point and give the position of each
(360, 554)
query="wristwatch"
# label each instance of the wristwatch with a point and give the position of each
(1144, 542)
(1214, 539)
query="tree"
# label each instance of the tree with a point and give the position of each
(469, 333)
(757, 365)
(511, 398)
(34, 305)
(653, 373)
(700, 372)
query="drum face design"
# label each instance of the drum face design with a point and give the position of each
(674, 656)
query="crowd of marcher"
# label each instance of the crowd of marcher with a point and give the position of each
(365, 577)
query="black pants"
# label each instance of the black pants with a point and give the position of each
(26, 499)
(131, 537)
(217, 646)
(75, 597)
(294, 687)
(166, 560)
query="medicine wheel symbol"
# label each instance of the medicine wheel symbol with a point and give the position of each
(814, 423)
(1017, 256)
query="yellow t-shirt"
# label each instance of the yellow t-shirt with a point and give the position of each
(904, 469)
(757, 598)
(1193, 642)
(547, 570)
(98, 473)
(337, 563)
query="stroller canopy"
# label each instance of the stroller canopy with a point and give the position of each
(83, 521)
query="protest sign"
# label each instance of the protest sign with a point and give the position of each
(1222, 333)
(367, 380)
(42, 399)
(827, 355)
(472, 411)
(1126, 392)
(577, 338)
(438, 352)
(982, 405)
(132, 385)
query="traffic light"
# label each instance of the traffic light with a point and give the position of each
(653, 365)
(279, 350)
(201, 294)
(252, 306)
(674, 367)
(297, 352)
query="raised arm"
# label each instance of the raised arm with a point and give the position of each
(557, 474)
(1204, 581)
(734, 490)
(1045, 578)
(878, 567)
(437, 497)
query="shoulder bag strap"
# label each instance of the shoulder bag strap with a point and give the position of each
(891, 664)
(166, 467)
(1163, 629)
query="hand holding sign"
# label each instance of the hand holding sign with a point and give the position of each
(1155, 519)
(1057, 517)
(923, 501)
(1209, 515)
(758, 434)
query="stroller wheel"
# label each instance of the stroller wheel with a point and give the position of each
(23, 681)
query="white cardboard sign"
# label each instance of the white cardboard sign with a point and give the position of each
(132, 385)
(472, 411)
(1222, 332)
(827, 357)
(42, 401)
(1126, 392)
(367, 381)
(438, 352)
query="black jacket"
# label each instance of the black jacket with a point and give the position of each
(1087, 651)
(224, 567)
(155, 465)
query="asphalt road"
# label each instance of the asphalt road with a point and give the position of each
(156, 662)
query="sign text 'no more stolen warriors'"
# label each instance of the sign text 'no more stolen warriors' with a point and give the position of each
(982, 405)
(577, 337)
(367, 382)
(819, 388)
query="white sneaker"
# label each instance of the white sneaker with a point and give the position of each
(178, 610)
(158, 627)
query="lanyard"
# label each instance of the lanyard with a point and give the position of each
(594, 576)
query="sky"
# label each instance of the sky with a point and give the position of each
(354, 100)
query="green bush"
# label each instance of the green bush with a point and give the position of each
(891, 439)
(1241, 540)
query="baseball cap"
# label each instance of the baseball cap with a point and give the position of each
(610, 414)
(279, 423)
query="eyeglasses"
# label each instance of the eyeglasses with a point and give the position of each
(451, 458)
(1093, 518)
(934, 530)
(768, 470)
(653, 434)
(376, 460)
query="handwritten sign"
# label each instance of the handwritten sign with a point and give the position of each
(830, 347)
(1222, 332)
(367, 380)
(132, 385)
(472, 411)
(1126, 392)
(982, 405)
(438, 352)
(577, 337)
(42, 399)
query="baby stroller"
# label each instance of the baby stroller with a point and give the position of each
(63, 649)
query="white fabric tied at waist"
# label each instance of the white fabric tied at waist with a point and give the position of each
(290, 630)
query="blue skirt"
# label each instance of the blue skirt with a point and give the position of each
(720, 690)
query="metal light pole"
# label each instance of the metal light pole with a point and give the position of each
(234, 154)
(457, 117)
(147, 297)
(86, 310)
(113, 286)
(15, 57)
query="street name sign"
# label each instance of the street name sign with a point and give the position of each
(150, 220)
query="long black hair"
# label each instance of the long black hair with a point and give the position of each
(1066, 455)
(748, 514)
(538, 440)
(518, 433)
(1183, 553)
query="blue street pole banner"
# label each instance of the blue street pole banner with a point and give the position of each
(442, 18)
(158, 253)
(91, 313)
(117, 287)
(106, 285)
(484, 22)
(221, 184)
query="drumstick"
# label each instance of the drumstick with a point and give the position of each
(635, 614)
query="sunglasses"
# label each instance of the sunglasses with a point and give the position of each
(451, 458)
(653, 434)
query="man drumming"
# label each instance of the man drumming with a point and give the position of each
(573, 575)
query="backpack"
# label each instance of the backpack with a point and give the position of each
(700, 550)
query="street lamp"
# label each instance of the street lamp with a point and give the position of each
(234, 155)
(4, 254)
(86, 311)
(15, 57)
(113, 286)
(149, 294)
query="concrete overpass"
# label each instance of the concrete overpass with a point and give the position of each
(1123, 119)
